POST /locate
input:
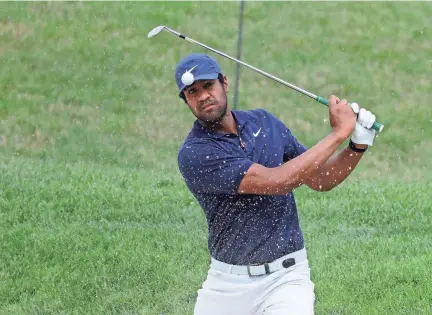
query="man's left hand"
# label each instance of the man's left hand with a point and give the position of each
(363, 134)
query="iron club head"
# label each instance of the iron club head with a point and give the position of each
(155, 31)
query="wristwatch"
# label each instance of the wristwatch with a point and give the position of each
(354, 148)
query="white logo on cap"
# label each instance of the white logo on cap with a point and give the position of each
(187, 77)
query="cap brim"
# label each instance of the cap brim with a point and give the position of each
(207, 76)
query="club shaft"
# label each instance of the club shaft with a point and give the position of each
(377, 126)
(268, 75)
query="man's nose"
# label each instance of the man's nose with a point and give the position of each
(203, 95)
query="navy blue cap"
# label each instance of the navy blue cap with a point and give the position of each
(203, 67)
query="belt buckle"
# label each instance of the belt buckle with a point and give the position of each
(289, 262)
(266, 268)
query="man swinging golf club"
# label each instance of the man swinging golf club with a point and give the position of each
(242, 167)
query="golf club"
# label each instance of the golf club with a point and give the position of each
(377, 126)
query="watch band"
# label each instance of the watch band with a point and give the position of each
(354, 148)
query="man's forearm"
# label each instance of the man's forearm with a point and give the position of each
(292, 174)
(295, 172)
(334, 170)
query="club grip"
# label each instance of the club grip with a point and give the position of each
(377, 126)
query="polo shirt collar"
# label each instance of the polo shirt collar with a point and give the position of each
(239, 116)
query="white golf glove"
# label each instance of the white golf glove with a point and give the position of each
(365, 119)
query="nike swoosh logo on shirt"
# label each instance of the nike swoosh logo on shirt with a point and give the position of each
(257, 133)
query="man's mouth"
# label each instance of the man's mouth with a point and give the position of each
(207, 106)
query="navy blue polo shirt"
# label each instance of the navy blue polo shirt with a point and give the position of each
(242, 228)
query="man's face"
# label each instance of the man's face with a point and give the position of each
(207, 99)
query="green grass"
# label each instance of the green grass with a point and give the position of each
(94, 215)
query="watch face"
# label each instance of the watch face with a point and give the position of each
(354, 148)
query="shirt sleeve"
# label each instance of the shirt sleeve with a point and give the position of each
(209, 169)
(292, 147)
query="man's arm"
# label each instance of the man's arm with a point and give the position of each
(335, 169)
(339, 166)
(292, 174)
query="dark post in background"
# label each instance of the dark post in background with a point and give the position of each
(239, 47)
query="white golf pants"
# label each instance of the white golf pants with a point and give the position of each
(287, 291)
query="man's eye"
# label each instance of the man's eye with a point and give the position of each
(191, 91)
(208, 84)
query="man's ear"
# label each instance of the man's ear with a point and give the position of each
(183, 97)
(225, 84)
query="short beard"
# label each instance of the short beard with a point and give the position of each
(212, 124)
(218, 118)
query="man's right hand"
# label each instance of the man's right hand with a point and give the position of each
(342, 117)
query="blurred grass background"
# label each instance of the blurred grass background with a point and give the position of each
(95, 217)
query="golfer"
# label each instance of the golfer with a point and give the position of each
(242, 167)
